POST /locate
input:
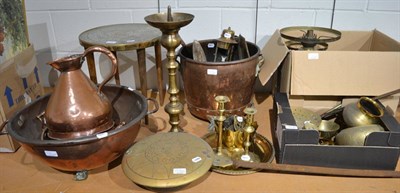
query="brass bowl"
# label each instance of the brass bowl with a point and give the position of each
(261, 147)
(87, 152)
(328, 129)
(356, 136)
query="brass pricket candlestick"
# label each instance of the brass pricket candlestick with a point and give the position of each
(221, 159)
(170, 24)
(248, 130)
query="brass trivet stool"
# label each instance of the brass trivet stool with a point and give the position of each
(124, 37)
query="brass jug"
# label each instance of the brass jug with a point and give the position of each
(77, 107)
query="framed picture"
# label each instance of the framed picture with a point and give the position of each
(13, 28)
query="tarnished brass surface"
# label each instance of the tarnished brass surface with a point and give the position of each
(261, 147)
(170, 23)
(302, 116)
(126, 37)
(309, 37)
(167, 160)
(88, 152)
(365, 111)
(328, 129)
(121, 37)
(203, 81)
(77, 107)
(160, 20)
(356, 135)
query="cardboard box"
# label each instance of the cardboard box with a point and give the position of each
(361, 63)
(19, 84)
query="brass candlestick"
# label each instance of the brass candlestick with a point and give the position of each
(169, 24)
(248, 130)
(221, 157)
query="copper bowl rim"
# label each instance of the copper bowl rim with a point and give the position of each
(86, 139)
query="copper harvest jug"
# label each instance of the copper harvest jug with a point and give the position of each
(77, 107)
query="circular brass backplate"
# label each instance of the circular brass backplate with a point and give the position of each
(167, 160)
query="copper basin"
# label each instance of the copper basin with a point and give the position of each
(203, 81)
(88, 152)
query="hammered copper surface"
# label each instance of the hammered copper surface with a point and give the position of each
(203, 81)
(85, 153)
(77, 107)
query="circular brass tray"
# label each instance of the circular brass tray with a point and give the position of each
(261, 147)
(167, 160)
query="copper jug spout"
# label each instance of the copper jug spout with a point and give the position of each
(69, 63)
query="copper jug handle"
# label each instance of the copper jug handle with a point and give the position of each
(112, 58)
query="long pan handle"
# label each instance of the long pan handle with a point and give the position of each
(338, 108)
(315, 170)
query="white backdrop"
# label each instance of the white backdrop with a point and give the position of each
(54, 25)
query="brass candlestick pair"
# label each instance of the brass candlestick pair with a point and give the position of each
(170, 24)
(225, 156)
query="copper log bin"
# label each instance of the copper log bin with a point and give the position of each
(203, 81)
(84, 153)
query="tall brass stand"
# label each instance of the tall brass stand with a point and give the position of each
(170, 24)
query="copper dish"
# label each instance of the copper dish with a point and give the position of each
(87, 152)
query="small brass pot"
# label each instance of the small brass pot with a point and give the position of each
(365, 111)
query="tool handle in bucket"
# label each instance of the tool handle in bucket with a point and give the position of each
(259, 64)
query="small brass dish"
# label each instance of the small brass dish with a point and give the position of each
(328, 129)
(261, 147)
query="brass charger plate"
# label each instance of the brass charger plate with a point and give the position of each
(167, 160)
(261, 147)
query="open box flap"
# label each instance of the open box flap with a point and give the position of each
(274, 52)
(382, 42)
